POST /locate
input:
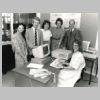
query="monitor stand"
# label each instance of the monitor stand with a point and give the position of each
(41, 60)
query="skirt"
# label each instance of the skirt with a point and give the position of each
(68, 78)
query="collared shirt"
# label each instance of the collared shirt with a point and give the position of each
(46, 35)
(71, 29)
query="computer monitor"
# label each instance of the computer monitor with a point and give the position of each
(86, 45)
(41, 51)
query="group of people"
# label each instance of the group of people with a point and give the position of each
(24, 40)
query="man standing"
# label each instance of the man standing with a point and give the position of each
(34, 36)
(70, 35)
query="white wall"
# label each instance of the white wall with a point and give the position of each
(89, 27)
(96, 45)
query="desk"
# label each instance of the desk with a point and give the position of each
(92, 58)
(23, 79)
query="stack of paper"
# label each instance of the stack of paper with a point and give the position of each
(37, 70)
(34, 65)
(56, 64)
(42, 73)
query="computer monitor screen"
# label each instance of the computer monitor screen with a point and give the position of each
(45, 49)
(41, 51)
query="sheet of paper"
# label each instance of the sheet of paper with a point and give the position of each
(34, 65)
(39, 72)
(34, 71)
(56, 64)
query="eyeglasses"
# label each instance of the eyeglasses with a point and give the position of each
(75, 45)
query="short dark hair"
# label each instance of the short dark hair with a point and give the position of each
(59, 19)
(46, 22)
(72, 20)
(79, 44)
(36, 18)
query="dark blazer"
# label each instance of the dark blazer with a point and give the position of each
(30, 38)
(68, 39)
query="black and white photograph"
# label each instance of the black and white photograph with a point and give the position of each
(50, 49)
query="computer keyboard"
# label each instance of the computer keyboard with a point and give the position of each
(90, 52)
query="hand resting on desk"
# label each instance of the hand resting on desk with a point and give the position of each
(63, 62)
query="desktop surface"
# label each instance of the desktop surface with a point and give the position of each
(22, 74)
(25, 71)
(23, 79)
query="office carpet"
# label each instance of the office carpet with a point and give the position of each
(8, 80)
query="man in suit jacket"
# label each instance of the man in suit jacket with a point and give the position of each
(34, 36)
(70, 35)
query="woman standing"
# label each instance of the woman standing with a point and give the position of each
(46, 32)
(19, 45)
(70, 74)
(57, 33)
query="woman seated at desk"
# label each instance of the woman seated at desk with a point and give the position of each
(69, 75)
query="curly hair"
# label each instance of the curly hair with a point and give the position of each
(46, 22)
(59, 19)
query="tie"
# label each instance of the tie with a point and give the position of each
(70, 39)
(70, 32)
(35, 37)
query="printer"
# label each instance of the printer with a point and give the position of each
(61, 53)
